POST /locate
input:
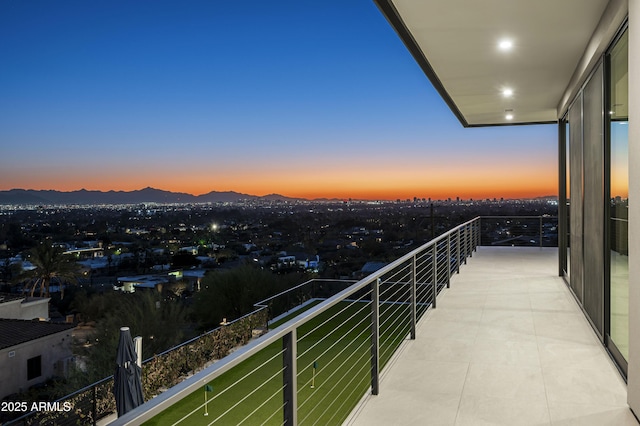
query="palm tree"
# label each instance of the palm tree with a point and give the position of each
(51, 264)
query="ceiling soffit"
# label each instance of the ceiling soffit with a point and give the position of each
(456, 44)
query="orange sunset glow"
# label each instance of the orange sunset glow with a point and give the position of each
(436, 182)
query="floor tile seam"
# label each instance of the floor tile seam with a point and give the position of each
(544, 381)
(518, 363)
(477, 333)
(423, 393)
(466, 377)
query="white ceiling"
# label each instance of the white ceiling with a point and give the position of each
(458, 40)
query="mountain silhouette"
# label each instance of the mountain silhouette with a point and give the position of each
(145, 195)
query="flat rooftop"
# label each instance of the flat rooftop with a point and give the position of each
(506, 345)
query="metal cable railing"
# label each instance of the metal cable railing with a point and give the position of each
(536, 231)
(381, 309)
(315, 367)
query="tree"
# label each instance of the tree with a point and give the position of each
(51, 265)
(161, 323)
(231, 294)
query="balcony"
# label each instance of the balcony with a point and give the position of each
(450, 333)
(507, 345)
(503, 342)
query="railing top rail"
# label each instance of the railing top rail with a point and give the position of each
(264, 302)
(519, 217)
(159, 403)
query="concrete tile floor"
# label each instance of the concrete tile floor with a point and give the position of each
(506, 345)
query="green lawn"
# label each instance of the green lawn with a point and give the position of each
(338, 341)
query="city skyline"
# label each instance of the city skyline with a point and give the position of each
(304, 100)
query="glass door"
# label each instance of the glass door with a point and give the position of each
(618, 188)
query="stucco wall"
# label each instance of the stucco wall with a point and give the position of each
(13, 370)
(17, 309)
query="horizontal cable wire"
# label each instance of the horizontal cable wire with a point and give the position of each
(278, 392)
(387, 348)
(421, 262)
(396, 272)
(278, 411)
(335, 370)
(400, 286)
(247, 396)
(199, 407)
(333, 345)
(279, 354)
(332, 317)
(399, 328)
(365, 305)
(391, 318)
(344, 400)
(364, 365)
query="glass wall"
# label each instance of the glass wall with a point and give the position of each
(618, 194)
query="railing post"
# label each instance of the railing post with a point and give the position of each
(435, 274)
(375, 336)
(471, 233)
(464, 237)
(290, 391)
(94, 405)
(413, 298)
(448, 260)
(458, 252)
(478, 239)
(540, 231)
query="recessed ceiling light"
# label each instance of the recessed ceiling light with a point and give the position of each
(506, 92)
(509, 116)
(505, 44)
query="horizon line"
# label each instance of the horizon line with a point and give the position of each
(286, 196)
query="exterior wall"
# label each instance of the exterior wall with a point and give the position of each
(13, 370)
(11, 309)
(35, 309)
(590, 164)
(633, 376)
(16, 309)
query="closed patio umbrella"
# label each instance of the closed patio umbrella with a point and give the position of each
(127, 383)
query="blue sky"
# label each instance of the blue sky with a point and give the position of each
(294, 97)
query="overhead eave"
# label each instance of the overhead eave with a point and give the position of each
(455, 42)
